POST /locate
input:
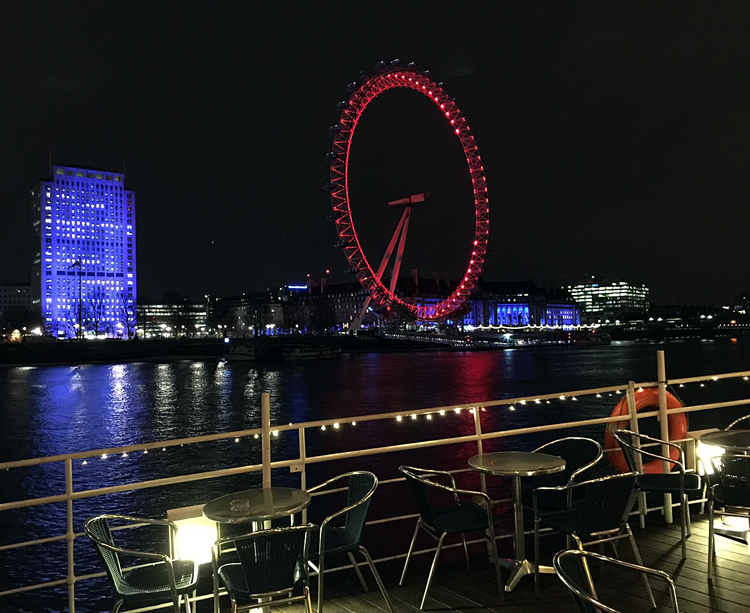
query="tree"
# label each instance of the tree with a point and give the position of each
(128, 315)
(95, 311)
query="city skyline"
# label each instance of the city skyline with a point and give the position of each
(612, 135)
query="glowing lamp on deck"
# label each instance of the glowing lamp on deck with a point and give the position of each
(196, 534)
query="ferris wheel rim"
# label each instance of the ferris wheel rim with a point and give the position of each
(389, 77)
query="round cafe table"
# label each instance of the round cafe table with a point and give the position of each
(256, 505)
(517, 464)
(737, 441)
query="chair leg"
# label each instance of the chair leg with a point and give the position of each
(537, 522)
(321, 562)
(117, 605)
(187, 602)
(496, 560)
(308, 600)
(432, 571)
(408, 555)
(683, 525)
(711, 542)
(359, 572)
(466, 550)
(639, 560)
(378, 580)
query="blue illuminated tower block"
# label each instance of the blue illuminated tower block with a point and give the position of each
(84, 277)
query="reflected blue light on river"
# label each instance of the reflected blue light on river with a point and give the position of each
(58, 409)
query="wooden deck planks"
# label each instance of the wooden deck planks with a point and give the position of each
(457, 590)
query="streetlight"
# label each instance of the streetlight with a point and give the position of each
(79, 332)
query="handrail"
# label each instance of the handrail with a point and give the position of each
(303, 459)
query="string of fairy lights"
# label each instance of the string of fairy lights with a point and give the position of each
(411, 416)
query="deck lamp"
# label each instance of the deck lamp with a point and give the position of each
(196, 534)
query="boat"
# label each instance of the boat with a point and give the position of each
(240, 350)
(309, 352)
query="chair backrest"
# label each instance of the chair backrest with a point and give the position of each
(580, 453)
(362, 486)
(741, 423)
(97, 529)
(420, 483)
(627, 441)
(274, 560)
(609, 501)
(574, 573)
(572, 568)
(733, 479)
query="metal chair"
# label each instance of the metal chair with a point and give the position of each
(601, 517)
(147, 584)
(443, 520)
(580, 454)
(361, 486)
(572, 568)
(272, 563)
(679, 483)
(730, 491)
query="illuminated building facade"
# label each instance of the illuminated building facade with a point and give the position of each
(172, 320)
(603, 298)
(84, 275)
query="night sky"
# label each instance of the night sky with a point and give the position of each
(616, 136)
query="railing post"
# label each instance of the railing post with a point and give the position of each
(70, 536)
(642, 503)
(265, 413)
(664, 426)
(478, 430)
(303, 468)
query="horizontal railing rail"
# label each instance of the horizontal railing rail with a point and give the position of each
(303, 458)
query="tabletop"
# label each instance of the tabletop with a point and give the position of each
(256, 505)
(517, 463)
(734, 440)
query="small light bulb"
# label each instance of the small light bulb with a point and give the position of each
(336, 425)
(429, 416)
(322, 427)
(354, 423)
(275, 432)
(237, 440)
(399, 418)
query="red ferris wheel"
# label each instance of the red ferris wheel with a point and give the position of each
(387, 77)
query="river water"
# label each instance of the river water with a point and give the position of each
(59, 409)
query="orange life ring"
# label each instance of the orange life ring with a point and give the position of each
(645, 398)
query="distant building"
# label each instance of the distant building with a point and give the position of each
(518, 304)
(602, 298)
(172, 320)
(84, 275)
(14, 297)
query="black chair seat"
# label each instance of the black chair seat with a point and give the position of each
(235, 581)
(152, 580)
(669, 482)
(731, 496)
(575, 520)
(461, 518)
